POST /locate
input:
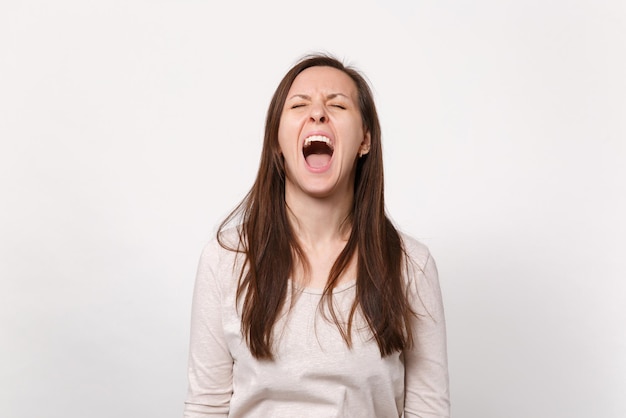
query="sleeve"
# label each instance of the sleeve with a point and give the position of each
(427, 393)
(210, 363)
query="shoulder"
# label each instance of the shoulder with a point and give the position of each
(229, 239)
(222, 252)
(416, 251)
(422, 278)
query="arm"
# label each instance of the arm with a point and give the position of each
(210, 362)
(426, 364)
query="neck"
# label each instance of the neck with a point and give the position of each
(319, 221)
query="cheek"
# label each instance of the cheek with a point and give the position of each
(287, 135)
(281, 136)
(283, 143)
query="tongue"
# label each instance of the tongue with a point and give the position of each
(318, 160)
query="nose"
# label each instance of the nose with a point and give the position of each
(318, 113)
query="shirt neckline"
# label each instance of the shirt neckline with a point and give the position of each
(318, 291)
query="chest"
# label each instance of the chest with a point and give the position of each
(309, 349)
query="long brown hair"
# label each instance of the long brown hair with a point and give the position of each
(269, 245)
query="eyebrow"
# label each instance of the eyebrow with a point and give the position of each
(328, 97)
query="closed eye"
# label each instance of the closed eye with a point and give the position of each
(338, 106)
(297, 105)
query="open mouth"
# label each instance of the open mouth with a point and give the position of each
(317, 151)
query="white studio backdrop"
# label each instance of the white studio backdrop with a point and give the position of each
(129, 129)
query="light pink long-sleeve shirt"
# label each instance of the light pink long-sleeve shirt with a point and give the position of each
(314, 373)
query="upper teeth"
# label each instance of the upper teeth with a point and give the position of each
(317, 138)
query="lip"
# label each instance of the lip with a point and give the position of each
(325, 168)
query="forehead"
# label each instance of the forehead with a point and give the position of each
(326, 80)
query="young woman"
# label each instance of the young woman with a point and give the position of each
(314, 304)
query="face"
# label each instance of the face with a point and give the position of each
(321, 133)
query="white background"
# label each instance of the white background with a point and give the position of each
(129, 129)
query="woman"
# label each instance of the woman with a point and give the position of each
(314, 305)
